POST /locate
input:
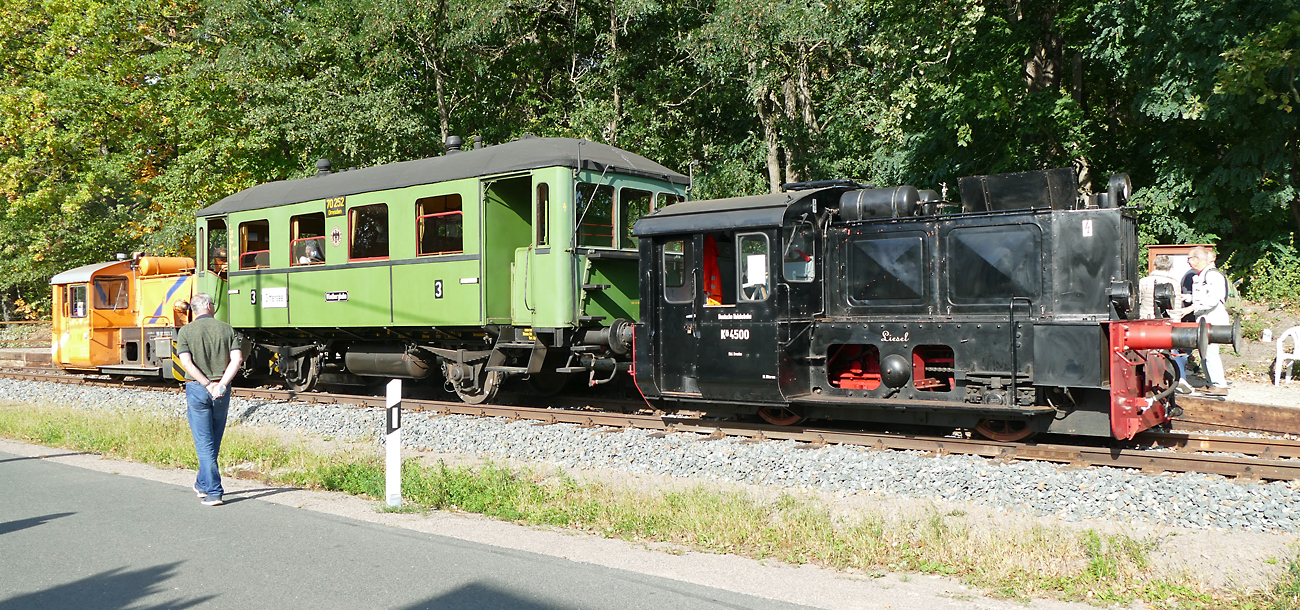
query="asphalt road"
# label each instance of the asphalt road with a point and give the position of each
(76, 538)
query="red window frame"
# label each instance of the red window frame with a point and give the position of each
(293, 262)
(352, 234)
(419, 221)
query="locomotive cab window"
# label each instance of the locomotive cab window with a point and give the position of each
(217, 242)
(595, 215)
(307, 239)
(254, 244)
(677, 265)
(754, 284)
(993, 264)
(76, 301)
(889, 270)
(632, 205)
(719, 270)
(368, 232)
(111, 293)
(799, 251)
(440, 225)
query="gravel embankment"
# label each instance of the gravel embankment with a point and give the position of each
(1187, 500)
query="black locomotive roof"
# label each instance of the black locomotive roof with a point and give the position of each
(722, 214)
(523, 154)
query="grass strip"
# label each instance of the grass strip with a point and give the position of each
(1019, 563)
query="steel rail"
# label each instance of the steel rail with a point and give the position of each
(1174, 452)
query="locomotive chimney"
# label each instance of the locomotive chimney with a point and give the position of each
(323, 167)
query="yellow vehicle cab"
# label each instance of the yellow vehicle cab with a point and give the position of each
(120, 317)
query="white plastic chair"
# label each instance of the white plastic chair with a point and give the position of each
(1285, 358)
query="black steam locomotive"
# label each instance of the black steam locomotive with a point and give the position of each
(1010, 314)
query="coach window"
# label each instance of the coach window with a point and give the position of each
(111, 293)
(543, 208)
(677, 262)
(307, 239)
(368, 232)
(632, 205)
(254, 244)
(754, 284)
(77, 301)
(217, 242)
(886, 271)
(663, 200)
(993, 264)
(799, 251)
(440, 225)
(595, 215)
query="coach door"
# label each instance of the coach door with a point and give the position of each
(677, 329)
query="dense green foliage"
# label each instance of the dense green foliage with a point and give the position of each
(118, 120)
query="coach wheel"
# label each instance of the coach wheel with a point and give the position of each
(485, 392)
(1002, 430)
(779, 416)
(547, 384)
(302, 375)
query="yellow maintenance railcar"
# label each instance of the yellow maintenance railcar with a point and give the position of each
(120, 317)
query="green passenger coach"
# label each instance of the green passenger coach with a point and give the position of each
(515, 260)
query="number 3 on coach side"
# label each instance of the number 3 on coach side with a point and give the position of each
(252, 296)
(437, 289)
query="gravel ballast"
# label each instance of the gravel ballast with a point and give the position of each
(1073, 494)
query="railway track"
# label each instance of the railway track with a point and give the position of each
(1242, 458)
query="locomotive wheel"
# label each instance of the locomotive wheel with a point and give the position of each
(484, 393)
(304, 377)
(1005, 431)
(780, 416)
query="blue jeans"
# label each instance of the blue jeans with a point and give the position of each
(207, 417)
(1180, 357)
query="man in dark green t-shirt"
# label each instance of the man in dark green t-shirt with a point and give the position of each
(208, 347)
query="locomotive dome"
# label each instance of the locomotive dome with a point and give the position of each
(528, 152)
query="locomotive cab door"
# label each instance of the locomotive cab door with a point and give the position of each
(677, 326)
(737, 345)
(799, 296)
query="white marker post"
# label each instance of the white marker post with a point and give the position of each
(393, 475)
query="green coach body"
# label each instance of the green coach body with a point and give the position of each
(459, 262)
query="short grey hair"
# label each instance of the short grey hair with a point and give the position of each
(1202, 253)
(1163, 263)
(201, 303)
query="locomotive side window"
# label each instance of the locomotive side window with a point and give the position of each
(254, 244)
(886, 269)
(111, 293)
(798, 253)
(754, 284)
(307, 239)
(543, 209)
(633, 204)
(993, 264)
(595, 215)
(217, 240)
(368, 228)
(77, 301)
(440, 225)
(677, 263)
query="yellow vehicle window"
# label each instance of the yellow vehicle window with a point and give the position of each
(111, 293)
(77, 301)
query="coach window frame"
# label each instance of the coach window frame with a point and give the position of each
(244, 230)
(447, 213)
(295, 237)
(381, 226)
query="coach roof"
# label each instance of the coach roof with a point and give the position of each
(522, 154)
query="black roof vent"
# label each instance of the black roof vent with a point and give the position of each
(453, 144)
(323, 167)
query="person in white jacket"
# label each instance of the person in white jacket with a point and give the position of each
(1209, 295)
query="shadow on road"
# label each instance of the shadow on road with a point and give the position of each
(43, 457)
(22, 524)
(475, 596)
(111, 590)
(231, 497)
